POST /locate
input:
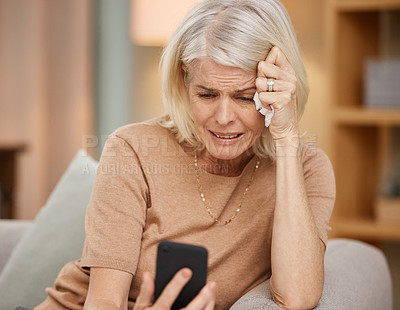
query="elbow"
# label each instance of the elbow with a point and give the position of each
(298, 300)
(299, 304)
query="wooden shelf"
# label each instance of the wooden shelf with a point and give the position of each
(362, 137)
(367, 116)
(366, 229)
(366, 5)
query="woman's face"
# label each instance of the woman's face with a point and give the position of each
(224, 112)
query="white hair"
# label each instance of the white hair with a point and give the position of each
(238, 33)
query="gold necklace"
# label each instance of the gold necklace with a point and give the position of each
(203, 198)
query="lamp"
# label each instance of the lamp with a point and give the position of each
(154, 21)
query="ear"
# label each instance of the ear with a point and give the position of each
(184, 74)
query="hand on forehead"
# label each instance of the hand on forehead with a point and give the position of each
(277, 58)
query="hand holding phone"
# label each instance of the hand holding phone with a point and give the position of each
(169, 295)
(172, 257)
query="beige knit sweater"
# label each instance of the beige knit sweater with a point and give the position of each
(146, 191)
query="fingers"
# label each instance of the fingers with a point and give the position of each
(268, 70)
(276, 57)
(205, 299)
(276, 66)
(173, 288)
(279, 85)
(283, 97)
(146, 294)
(277, 100)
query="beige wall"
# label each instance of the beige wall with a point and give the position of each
(146, 85)
(45, 90)
(308, 20)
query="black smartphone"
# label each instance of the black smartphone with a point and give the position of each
(173, 256)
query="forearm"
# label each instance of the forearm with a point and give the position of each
(108, 289)
(296, 250)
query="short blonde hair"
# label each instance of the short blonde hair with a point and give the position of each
(238, 33)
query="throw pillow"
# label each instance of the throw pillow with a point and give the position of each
(56, 238)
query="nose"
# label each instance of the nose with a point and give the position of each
(225, 113)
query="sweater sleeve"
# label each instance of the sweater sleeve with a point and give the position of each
(116, 213)
(320, 187)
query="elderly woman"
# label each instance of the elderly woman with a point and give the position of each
(210, 172)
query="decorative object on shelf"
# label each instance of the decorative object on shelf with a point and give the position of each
(382, 83)
(393, 184)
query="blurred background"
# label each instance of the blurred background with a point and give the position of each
(72, 71)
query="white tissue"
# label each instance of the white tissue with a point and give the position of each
(267, 113)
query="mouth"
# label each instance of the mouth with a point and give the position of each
(226, 136)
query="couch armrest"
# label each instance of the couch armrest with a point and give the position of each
(357, 276)
(11, 232)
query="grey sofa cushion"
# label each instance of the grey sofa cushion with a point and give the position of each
(55, 238)
(356, 277)
(11, 231)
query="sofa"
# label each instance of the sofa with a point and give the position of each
(357, 275)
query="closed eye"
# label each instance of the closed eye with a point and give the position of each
(248, 99)
(206, 96)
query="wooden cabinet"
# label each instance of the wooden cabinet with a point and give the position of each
(361, 136)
